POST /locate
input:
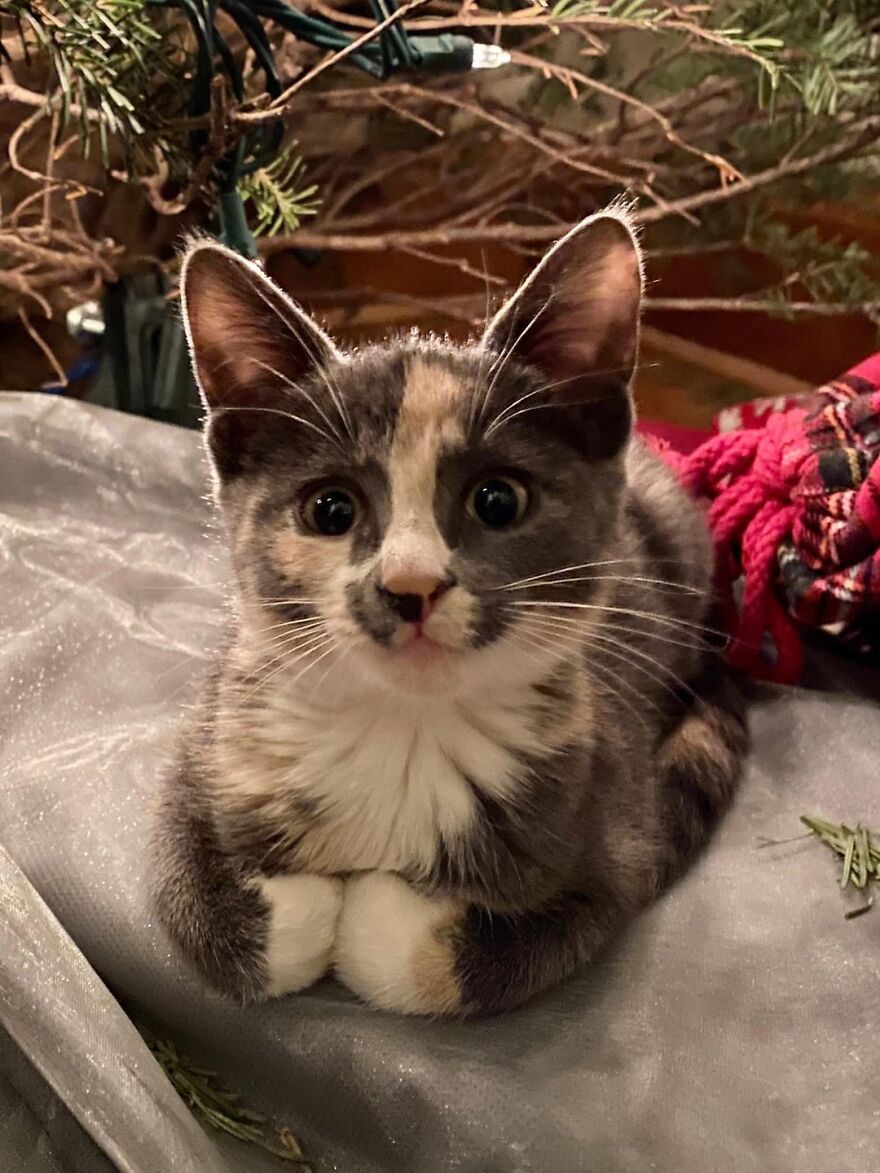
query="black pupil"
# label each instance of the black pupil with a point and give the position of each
(496, 504)
(333, 512)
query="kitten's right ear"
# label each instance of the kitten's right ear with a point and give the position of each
(249, 344)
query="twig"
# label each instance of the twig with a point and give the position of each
(761, 380)
(423, 238)
(217, 141)
(459, 263)
(18, 283)
(220, 1109)
(44, 347)
(15, 141)
(751, 305)
(514, 129)
(409, 116)
(50, 170)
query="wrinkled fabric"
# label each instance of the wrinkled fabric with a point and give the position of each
(731, 1028)
(55, 1009)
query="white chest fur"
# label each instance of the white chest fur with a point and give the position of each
(387, 777)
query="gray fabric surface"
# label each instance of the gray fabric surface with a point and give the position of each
(70, 1030)
(732, 1028)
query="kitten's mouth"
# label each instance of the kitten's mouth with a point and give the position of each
(414, 642)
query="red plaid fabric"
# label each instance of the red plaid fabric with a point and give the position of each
(830, 565)
(794, 492)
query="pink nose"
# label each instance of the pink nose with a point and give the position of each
(411, 582)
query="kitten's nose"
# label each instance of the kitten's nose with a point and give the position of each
(412, 596)
(403, 581)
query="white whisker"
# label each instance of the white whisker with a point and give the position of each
(500, 418)
(288, 415)
(622, 652)
(684, 588)
(315, 358)
(577, 625)
(578, 566)
(665, 620)
(333, 646)
(293, 390)
(315, 645)
(590, 667)
(283, 646)
(292, 623)
(499, 364)
(289, 602)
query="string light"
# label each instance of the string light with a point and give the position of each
(393, 49)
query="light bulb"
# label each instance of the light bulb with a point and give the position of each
(489, 57)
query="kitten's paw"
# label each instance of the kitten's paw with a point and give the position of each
(395, 947)
(303, 916)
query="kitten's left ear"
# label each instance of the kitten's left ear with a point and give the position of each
(576, 321)
(246, 336)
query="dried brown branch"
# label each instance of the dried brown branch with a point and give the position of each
(759, 305)
(218, 143)
(467, 308)
(501, 169)
(459, 263)
(44, 347)
(16, 282)
(409, 115)
(861, 134)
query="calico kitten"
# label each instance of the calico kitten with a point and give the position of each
(467, 720)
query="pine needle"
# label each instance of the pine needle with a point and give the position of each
(220, 1108)
(279, 202)
(858, 847)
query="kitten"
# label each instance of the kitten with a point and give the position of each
(468, 719)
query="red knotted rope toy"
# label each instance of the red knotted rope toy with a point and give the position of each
(795, 512)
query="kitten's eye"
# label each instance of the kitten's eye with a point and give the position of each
(499, 501)
(330, 510)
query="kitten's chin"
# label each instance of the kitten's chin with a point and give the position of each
(423, 667)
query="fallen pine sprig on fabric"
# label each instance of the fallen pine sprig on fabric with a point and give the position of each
(859, 849)
(222, 1109)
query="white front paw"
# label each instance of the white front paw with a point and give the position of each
(394, 946)
(303, 915)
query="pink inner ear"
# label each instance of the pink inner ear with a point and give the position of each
(578, 313)
(591, 327)
(244, 331)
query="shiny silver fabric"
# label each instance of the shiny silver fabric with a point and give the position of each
(732, 1028)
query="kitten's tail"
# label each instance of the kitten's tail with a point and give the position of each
(700, 763)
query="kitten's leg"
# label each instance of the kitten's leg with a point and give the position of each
(402, 950)
(699, 766)
(300, 930)
(251, 936)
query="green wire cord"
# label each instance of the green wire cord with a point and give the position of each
(394, 49)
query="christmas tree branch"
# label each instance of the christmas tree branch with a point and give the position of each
(757, 305)
(717, 121)
(862, 134)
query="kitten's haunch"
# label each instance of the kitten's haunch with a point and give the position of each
(471, 713)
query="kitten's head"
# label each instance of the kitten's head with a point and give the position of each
(381, 504)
